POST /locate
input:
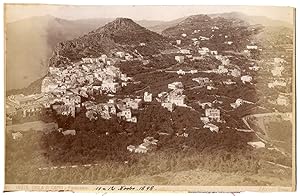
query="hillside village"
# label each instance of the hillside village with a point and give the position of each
(200, 80)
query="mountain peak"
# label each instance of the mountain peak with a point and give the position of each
(119, 24)
(198, 17)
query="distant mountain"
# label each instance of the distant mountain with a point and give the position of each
(30, 43)
(204, 25)
(159, 26)
(262, 20)
(216, 33)
(120, 34)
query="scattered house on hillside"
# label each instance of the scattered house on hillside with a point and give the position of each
(277, 70)
(150, 140)
(179, 59)
(149, 143)
(131, 148)
(257, 145)
(178, 42)
(203, 51)
(221, 70)
(185, 51)
(162, 95)
(246, 79)
(142, 44)
(279, 60)
(277, 83)
(202, 81)
(169, 106)
(182, 135)
(235, 72)
(69, 132)
(120, 54)
(197, 58)
(211, 127)
(147, 97)
(125, 113)
(247, 52)
(213, 114)
(110, 86)
(180, 72)
(176, 99)
(194, 71)
(229, 42)
(128, 57)
(215, 27)
(282, 100)
(141, 149)
(16, 136)
(175, 85)
(202, 38)
(183, 35)
(132, 103)
(254, 68)
(132, 119)
(237, 103)
(204, 119)
(210, 87)
(251, 47)
(229, 82)
(204, 104)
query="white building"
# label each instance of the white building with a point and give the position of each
(120, 54)
(229, 42)
(203, 50)
(69, 132)
(202, 81)
(178, 42)
(202, 38)
(175, 85)
(237, 103)
(110, 86)
(185, 51)
(212, 127)
(183, 35)
(180, 72)
(131, 148)
(277, 83)
(282, 100)
(213, 114)
(279, 61)
(251, 47)
(277, 70)
(235, 73)
(179, 59)
(147, 97)
(194, 71)
(169, 106)
(178, 100)
(246, 78)
(257, 144)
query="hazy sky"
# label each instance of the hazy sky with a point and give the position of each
(17, 12)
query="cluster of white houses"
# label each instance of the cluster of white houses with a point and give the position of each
(149, 143)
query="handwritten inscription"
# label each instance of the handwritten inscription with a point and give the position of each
(125, 188)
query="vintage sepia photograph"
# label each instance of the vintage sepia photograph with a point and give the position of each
(149, 98)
